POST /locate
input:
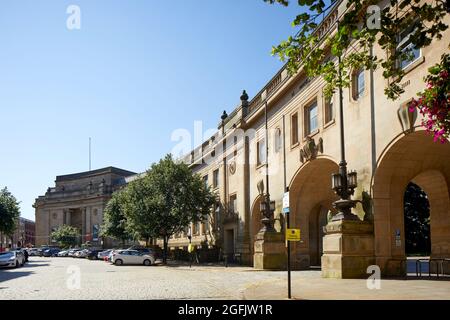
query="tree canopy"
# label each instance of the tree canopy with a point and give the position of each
(66, 236)
(164, 201)
(9, 212)
(115, 221)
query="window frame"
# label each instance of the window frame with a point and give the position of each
(295, 137)
(258, 150)
(307, 112)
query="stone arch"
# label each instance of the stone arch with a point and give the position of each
(256, 223)
(310, 190)
(411, 158)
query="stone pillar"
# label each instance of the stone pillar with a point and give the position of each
(348, 249)
(270, 251)
(83, 225)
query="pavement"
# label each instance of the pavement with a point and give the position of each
(81, 279)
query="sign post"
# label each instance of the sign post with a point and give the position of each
(286, 211)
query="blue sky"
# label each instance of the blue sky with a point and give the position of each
(133, 73)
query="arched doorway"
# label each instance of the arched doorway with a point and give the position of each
(413, 158)
(256, 224)
(311, 198)
(317, 222)
(416, 221)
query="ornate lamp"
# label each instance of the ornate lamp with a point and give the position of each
(336, 182)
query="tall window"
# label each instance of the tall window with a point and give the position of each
(216, 178)
(406, 47)
(261, 148)
(312, 118)
(294, 128)
(358, 84)
(205, 180)
(233, 203)
(235, 146)
(329, 109)
(277, 140)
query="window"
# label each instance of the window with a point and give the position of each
(312, 123)
(358, 84)
(277, 140)
(205, 180)
(261, 147)
(409, 52)
(329, 109)
(294, 128)
(233, 203)
(216, 178)
(235, 146)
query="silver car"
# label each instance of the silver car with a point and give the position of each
(12, 259)
(122, 257)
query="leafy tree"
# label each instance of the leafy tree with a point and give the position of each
(66, 236)
(115, 222)
(357, 33)
(417, 221)
(166, 200)
(9, 212)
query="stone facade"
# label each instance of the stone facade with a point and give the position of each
(78, 200)
(24, 235)
(384, 144)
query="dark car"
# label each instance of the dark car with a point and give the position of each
(51, 252)
(41, 251)
(93, 254)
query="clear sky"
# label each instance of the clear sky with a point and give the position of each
(135, 71)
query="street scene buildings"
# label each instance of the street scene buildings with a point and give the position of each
(385, 146)
(78, 200)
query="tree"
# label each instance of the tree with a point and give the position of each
(433, 103)
(355, 38)
(417, 221)
(166, 200)
(115, 222)
(9, 212)
(66, 236)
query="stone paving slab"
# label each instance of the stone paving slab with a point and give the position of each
(309, 285)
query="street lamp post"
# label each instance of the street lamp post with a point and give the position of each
(343, 183)
(267, 207)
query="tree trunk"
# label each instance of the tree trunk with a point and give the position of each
(165, 249)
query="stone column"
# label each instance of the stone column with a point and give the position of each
(270, 251)
(83, 224)
(348, 249)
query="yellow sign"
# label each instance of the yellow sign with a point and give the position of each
(293, 234)
(191, 248)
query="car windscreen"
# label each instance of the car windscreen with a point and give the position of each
(6, 254)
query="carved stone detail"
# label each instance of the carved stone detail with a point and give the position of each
(310, 149)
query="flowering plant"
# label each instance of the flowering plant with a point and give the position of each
(434, 102)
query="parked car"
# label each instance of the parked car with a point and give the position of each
(41, 251)
(104, 254)
(12, 259)
(51, 252)
(63, 253)
(93, 254)
(33, 252)
(143, 250)
(24, 252)
(81, 253)
(122, 257)
(72, 252)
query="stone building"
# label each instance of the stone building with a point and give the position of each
(384, 143)
(78, 200)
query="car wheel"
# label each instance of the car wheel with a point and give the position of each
(147, 262)
(118, 262)
(17, 264)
